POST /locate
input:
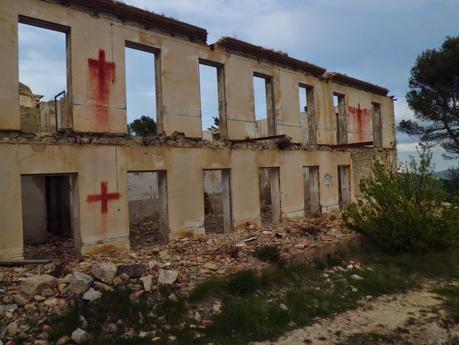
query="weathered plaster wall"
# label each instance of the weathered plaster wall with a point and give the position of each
(98, 90)
(94, 165)
(97, 103)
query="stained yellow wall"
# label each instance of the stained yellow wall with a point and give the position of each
(180, 98)
(92, 37)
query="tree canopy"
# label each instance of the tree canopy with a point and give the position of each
(434, 97)
(143, 127)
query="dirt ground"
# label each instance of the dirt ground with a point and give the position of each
(416, 317)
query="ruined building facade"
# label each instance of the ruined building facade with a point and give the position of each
(73, 174)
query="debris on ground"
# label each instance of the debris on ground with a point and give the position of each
(31, 294)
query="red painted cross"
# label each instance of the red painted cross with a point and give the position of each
(103, 73)
(104, 197)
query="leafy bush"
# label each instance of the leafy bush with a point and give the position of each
(242, 283)
(403, 211)
(268, 253)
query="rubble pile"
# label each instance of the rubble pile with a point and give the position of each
(29, 295)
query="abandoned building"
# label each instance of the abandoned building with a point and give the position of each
(69, 169)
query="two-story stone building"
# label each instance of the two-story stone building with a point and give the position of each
(78, 176)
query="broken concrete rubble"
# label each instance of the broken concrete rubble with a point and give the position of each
(81, 283)
(181, 264)
(167, 277)
(104, 271)
(92, 295)
(35, 284)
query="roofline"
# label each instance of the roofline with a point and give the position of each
(171, 26)
(238, 46)
(148, 19)
(357, 83)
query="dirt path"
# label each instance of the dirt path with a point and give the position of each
(416, 317)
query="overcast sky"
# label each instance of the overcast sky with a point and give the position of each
(373, 40)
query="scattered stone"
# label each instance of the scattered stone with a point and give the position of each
(63, 340)
(132, 270)
(80, 336)
(91, 295)
(12, 329)
(164, 255)
(184, 262)
(35, 284)
(40, 342)
(8, 308)
(102, 286)
(356, 277)
(66, 280)
(51, 302)
(211, 266)
(217, 308)
(20, 300)
(62, 287)
(30, 307)
(47, 293)
(152, 264)
(147, 283)
(39, 298)
(104, 271)
(81, 283)
(283, 307)
(167, 277)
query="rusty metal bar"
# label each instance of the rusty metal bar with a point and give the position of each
(248, 140)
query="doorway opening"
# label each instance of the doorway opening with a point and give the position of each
(217, 201)
(344, 186)
(311, 191)
(148, 212)
(50, 216)
(270, 206)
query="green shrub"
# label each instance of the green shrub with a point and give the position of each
(268, 253)
(242, 283)
(403, 211)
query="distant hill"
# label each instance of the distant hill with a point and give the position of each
(442, 174)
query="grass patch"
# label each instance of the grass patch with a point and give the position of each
(260, 306)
